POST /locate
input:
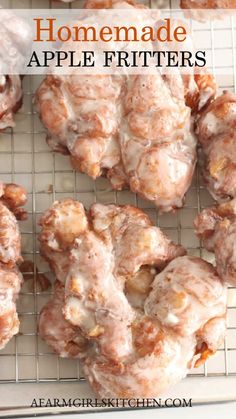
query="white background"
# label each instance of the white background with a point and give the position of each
(211, 411)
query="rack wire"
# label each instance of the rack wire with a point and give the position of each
(26, 159)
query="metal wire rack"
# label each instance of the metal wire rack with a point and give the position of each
(26, 159)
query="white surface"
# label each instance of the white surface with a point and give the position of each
(200, 390)
(209, 412)
(25, 158)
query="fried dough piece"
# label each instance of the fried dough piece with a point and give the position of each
(15, 35)
(10, 99)
(208, 4)
(11, 197)
(89, 125)
(216, 133)
(117, 242)
(64, 338)
(10, 284)
(144, 330)
(183, 322)
(216, 226)
(135, 130)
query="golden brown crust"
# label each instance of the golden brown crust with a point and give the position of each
(14, 197)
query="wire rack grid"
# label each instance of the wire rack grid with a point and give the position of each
(26, 159)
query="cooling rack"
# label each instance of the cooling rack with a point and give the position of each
(28, 368)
